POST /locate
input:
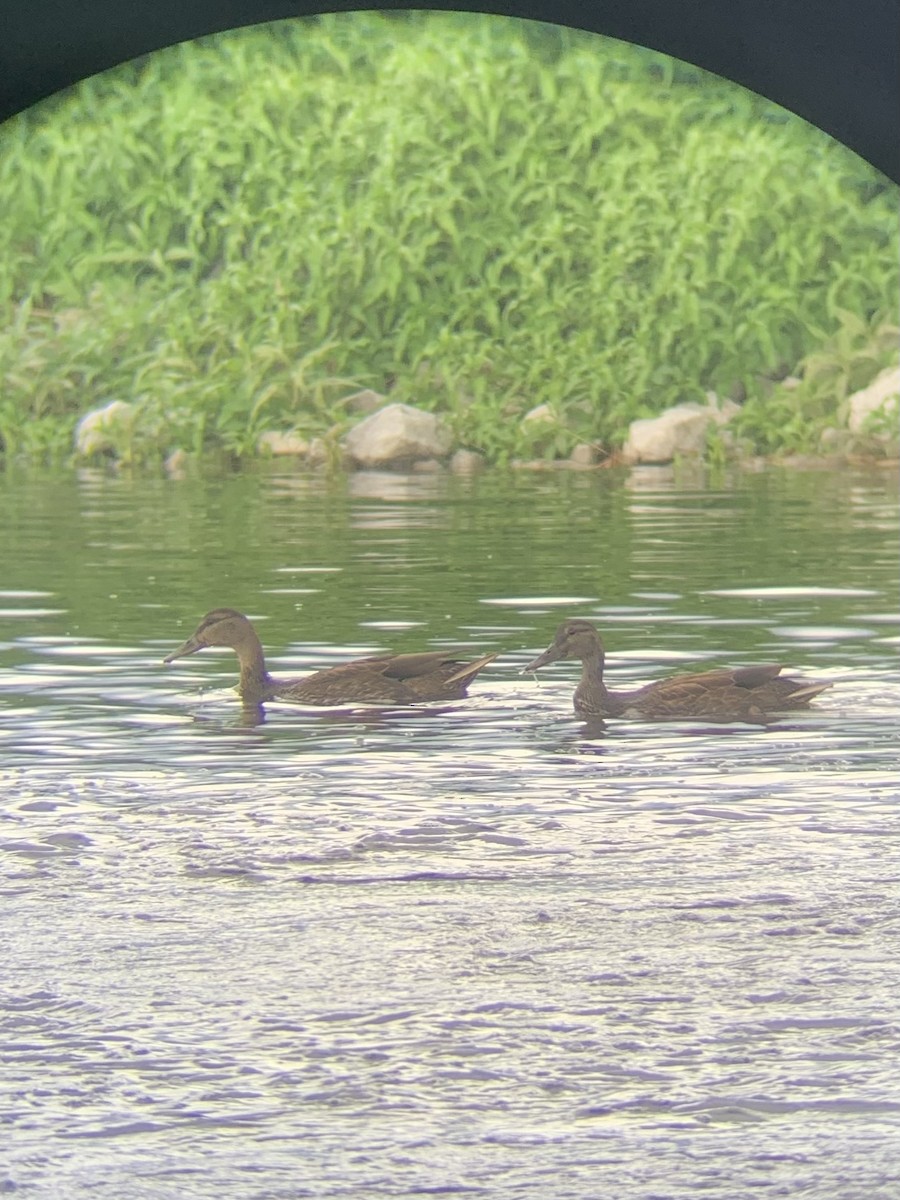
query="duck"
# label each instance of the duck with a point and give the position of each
(381, 679)
(751, 694)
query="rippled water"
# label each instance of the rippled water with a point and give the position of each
(479, 949)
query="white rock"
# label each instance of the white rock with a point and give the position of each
(280, 444)
(176, 464)
(881, 398)
(366, 401)
(584, 455)
(723, 410)
(104, 428)
(467, 462)
(326, 452)
(679, 432)
(397, 435)
(831, 439)
(543, 412)
(540, 425)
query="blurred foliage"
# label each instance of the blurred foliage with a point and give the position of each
(792, 417)
(476, 214)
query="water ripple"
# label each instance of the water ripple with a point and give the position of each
(480, 948)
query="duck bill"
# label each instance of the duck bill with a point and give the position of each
(551, 654)
(191, 646)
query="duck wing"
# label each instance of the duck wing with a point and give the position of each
(435, 675)
(709, 695)
(740, 694)
(772, 690)
(387, 679)
(413, 666)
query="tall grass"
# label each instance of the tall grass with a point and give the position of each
(478, 214)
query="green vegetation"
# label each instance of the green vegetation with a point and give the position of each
(475, 214)
(794, 417)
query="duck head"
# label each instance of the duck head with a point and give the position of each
(574, 639)
(221, 627)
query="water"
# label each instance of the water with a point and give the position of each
(480, 949)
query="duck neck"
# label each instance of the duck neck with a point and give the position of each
(256, 683)
(592, 693)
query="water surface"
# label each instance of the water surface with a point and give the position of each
(478, 948)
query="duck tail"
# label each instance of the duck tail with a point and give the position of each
(803, 695)
(468, 671)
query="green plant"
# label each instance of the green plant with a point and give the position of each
(478, 215)
(792, 418)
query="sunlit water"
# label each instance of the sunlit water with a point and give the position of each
(480, 949)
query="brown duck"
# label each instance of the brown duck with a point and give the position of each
(744, 694)
(382, 679)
